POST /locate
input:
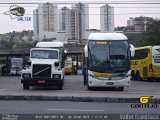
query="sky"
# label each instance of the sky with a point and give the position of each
(122, 12)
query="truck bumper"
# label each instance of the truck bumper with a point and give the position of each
(42, 82)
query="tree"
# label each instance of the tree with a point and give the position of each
(3, 44)
(152, 35)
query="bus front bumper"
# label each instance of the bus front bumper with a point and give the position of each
(94, 82)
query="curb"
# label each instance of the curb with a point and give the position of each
(76, 99)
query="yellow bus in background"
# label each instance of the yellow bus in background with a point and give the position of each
(146, 63)
(68, 66)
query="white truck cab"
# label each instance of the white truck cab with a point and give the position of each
(47, 66)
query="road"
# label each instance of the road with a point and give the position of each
(10, 85)
(57, 107)
(74, 83)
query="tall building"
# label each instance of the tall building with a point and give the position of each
(45, 21)
(73, 28)
(78, 22)
(63, 18)
(83, 17)
(107, 18)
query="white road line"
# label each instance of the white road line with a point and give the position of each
(74, 110)
(3, 89)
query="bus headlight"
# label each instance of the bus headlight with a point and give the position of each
(91, 74)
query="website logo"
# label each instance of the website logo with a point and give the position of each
(145, 99)
(144, 103)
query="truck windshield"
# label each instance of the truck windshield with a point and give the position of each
(109, 56)
(44, 54)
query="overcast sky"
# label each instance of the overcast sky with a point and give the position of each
(122, 13)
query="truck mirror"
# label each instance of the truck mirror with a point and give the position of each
(65, 56)
(56, 64)
(28, 63)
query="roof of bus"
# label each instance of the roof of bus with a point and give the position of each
(137, 48)
(107, 36)
(49, 44)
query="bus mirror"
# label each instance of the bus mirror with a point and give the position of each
(86, 51)
(132, 50)
(132, 53)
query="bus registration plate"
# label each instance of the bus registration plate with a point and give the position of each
(110, 83)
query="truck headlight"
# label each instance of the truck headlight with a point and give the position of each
(26, 75)
(56, 76)
(56, 64)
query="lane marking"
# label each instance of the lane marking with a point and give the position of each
(74, 110)
(3, 89)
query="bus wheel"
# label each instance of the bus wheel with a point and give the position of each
(151, 79)
(132, 76)
(120, 88)
(25, 87)
(89, 88)
(138, 77)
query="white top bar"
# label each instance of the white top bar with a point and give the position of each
(49, 44)
(107, 36)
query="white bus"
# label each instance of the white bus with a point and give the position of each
(107, 61)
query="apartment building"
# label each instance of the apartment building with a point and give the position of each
(107, 18)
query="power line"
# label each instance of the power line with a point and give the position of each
(98, 14)
(85, 2)
(92, 7)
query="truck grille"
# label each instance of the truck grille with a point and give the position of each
(41, 71)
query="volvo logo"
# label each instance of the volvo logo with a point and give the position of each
(41, 70)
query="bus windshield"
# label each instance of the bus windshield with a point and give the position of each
(109, 56)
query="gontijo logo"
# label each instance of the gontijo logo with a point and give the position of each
(145, 99)
(144, 103)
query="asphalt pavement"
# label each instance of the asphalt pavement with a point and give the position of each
(74, 90)
(67, 107)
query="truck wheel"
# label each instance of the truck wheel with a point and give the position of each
(121, 88)
(59, 87)
(25, 87)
